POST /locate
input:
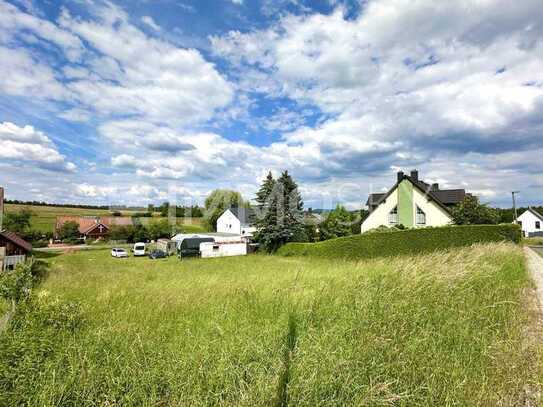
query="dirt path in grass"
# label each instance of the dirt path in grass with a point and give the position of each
(535, 266)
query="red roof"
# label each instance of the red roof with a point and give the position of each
(88, 223)
(15, 239)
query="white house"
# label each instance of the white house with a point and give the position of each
(412, 203)
(236, 220)
(531, 223)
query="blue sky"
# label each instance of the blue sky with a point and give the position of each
(136, 102)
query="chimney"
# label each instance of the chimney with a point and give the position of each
(400, 176)
(1, 207)
(415, 175)
(435, 187)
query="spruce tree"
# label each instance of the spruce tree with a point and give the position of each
(281, 213)
(262, 201)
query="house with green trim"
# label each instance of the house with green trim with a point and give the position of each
(411, 202)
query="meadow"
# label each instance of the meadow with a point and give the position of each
(454, 327)
(44, 217)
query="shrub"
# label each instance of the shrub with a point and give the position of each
(406, 242)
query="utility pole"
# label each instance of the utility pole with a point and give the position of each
(515, 204)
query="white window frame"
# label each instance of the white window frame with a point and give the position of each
(420, 216)
(393, 216)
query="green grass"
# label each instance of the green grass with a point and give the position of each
(441, 329)
(44, 217)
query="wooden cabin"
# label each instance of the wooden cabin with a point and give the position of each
(13, 250)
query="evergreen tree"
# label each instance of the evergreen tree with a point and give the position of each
(281, 219)
(263, 202)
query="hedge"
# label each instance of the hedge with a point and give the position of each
(403, 242)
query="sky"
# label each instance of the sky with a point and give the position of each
(145, 101)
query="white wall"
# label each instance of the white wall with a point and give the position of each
(223, 249)
(435, 215)
(529, 220)
(228, 223)
(380, 214)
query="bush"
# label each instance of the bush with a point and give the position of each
(412, 241)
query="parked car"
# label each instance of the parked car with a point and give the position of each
(118, 252)
(157, 254)
(139, 249)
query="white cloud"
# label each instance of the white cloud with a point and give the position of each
(13, 21)
(93, 191)
(30, 145)
(148, 20)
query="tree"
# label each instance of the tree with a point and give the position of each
(263, 201)
(18, 222)
(282, 220)
(159, 229)
(217, 202)
(164, 209)
(471, 212)
(337, 224)
(69, 231)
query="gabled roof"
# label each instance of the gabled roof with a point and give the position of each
(16, 240)
(243, 214)
(87, 223)
(441, 197)
(535, 213)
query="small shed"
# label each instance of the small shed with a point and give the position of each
(167, 246)
(14, 250)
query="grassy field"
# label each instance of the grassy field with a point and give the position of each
(451, 328)
(44, 217)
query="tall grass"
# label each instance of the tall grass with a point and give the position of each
(440, 329)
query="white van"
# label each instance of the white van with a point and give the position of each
(139, 249)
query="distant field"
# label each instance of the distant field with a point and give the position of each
(44, 217)
(451, 328)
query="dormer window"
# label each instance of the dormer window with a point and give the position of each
(421, 217)
(393, 216)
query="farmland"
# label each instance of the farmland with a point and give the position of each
(44, 217)
(437, 329)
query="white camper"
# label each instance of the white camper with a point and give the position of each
(216, 249)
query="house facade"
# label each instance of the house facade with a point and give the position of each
(411, 202)
(93, 227)
(236, 220)
(531, 223)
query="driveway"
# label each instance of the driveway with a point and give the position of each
(534, 257)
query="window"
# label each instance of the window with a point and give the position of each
(421, 217)
(393, 216)
(538, 225)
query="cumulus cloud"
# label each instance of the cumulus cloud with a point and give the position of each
(30, 145)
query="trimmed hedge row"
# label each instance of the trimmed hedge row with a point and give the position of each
(412, 241)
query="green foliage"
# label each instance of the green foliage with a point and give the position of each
(69, 231)
(412, 241)
(159, 230)
(280, 213)
(471, 212)
(217, 202)
(18, 222)
(16, 284)
(338, 223)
